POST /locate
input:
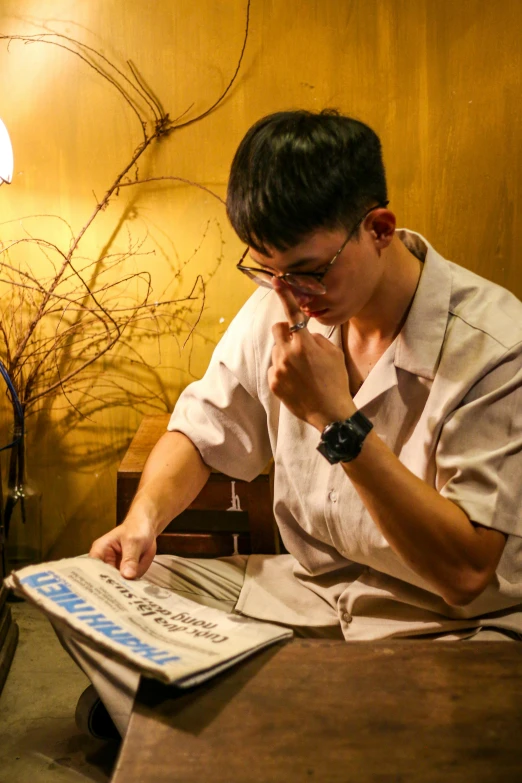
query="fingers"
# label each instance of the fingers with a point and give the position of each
(131, 552)
(281, 332)
(292, 310)
(106, 549)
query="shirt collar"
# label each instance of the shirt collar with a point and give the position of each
(417, 347)
(420, 340)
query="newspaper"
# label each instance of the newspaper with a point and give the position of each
(164, 635)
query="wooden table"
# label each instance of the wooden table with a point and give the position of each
(210, 525)
(334, 712)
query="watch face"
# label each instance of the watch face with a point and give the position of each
(342, 441)
(341, 436)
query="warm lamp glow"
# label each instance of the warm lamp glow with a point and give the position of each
(6, 156)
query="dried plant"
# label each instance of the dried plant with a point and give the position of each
(55, 324)
(60, 312)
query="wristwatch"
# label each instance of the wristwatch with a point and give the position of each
(342, 441)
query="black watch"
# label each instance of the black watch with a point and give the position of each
(342, 441)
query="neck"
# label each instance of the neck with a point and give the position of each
(382, 318)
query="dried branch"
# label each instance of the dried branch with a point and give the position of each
(55, 326)
(232, 80)
(178, 179)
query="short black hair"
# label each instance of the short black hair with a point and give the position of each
(297, 171)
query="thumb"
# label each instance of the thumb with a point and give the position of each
(130, 558)
(323, 341)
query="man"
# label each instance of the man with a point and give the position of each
(385, 382)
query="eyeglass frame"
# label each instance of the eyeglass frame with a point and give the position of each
(318, 276)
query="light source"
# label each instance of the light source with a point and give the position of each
(8, 641)
(6, 156)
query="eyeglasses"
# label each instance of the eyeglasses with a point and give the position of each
(305, 282)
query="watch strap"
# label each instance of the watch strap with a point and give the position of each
(362, 422)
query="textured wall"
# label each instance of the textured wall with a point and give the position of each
(439, 80)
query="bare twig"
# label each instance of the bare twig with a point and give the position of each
(176, 179)
(55, 326)
(232, 80)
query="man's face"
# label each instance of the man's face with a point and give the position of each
(351, 281)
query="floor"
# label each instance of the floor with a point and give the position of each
(39, 739)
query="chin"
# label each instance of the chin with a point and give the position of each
(329, 319)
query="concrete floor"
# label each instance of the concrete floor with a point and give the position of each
(39, 741)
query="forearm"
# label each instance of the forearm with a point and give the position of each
(431, 534)
(173, 476)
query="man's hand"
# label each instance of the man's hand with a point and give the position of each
(308, 373)
(173, 476)
(130, 548)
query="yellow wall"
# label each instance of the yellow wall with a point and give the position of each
(439, 80)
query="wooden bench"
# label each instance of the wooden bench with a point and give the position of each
(337, 712)
(227, 516)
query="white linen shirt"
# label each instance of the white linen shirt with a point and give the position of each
(446, 397)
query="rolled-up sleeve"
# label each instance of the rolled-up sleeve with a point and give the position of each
(222, 413)
(479, 454)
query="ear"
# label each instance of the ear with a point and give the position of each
(381, 225)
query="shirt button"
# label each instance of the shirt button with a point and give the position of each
(347, 617)
(332, 496)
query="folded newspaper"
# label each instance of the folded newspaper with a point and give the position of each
(166, 636)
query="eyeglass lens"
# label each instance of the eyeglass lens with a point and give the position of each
(307, 285)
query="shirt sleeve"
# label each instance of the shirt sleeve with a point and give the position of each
(479, 455)
(222, 413)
